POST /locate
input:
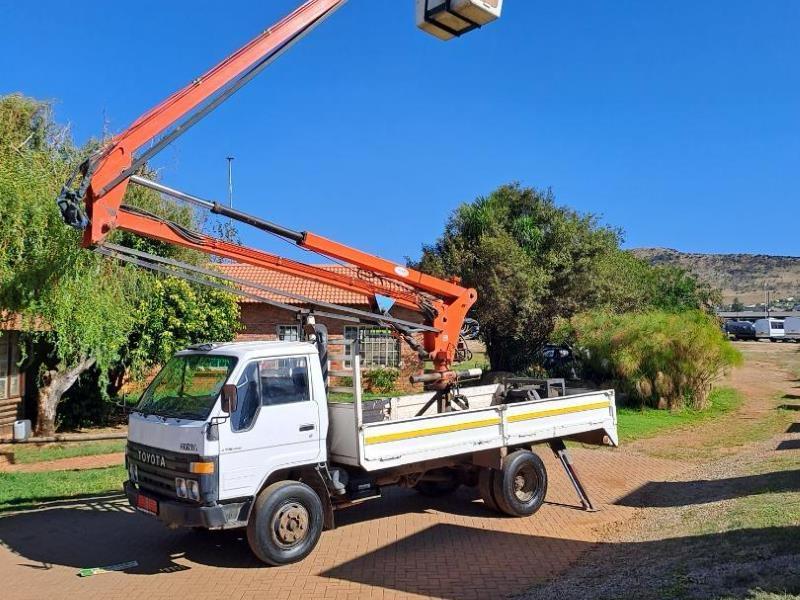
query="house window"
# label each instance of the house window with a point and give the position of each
(9, 371)
(4, 360)
(378, 347)
(289, 333)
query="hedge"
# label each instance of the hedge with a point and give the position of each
(660, 359)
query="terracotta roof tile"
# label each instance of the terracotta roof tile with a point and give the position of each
(14, 322)
(296, 285)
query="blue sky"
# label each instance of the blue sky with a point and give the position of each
(677, 121)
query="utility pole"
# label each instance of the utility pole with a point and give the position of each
(230, 180)
(766, 301)
(230, 184)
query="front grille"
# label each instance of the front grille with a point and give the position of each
(156, 475)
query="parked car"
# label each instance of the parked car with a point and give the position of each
(769, 329)
(559, 361)
(791, 328)
(740, 330)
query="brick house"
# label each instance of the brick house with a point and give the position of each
(264, 322)
(12, 378)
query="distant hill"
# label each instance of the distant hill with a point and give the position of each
(742, 275)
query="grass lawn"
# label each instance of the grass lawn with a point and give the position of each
(479, 361)
(365, 396)
(30, 453)
(636, 423)
(752, 531)
(26, 490)
(731, 531)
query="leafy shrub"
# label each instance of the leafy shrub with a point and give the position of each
(381, 380)
(661, 359)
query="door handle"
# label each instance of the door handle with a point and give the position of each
(307, 427)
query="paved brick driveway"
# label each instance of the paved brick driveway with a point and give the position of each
(404, 545)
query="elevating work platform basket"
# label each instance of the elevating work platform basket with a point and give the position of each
(447, 19)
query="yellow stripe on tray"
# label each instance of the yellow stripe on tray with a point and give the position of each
(550, 412)
(404, 435)
(538, 414)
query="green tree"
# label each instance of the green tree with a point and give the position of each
(175, 315)
(44, 274)
(628, 283)
(737, 305)
(531, 262)
(535, 263)
(96, 312)
(675, 289)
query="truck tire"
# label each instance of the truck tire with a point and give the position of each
(486, 488)
(519, 489)
(285, 523)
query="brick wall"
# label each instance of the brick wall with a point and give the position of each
(261, 321)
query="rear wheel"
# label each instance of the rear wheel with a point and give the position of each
(519, 489)
(285, 523)
(485, 487)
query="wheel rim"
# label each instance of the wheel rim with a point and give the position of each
(290, 524)
(525, 483)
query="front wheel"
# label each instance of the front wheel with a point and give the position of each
(285, 523)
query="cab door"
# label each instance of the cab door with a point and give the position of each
(276, 424)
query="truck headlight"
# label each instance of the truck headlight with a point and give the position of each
(193, 488)
(133, 473)
(180, 487)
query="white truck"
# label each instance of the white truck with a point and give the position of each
(247, 435)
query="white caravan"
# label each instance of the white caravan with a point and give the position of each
(769, 329)
(791, 328)
(246, 435)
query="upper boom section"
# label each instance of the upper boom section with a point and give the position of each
(105, 175)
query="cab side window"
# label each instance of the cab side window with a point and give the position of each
(284, 380)
(249, 399)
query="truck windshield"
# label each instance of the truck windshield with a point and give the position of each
(187, 386)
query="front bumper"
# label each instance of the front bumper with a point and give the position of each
(180, 514)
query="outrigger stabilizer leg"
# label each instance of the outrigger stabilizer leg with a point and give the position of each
(560, 450)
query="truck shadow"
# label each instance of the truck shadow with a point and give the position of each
(661, 494)
(443, 560)
(432, 563)
(464, 502)
(92, 532)
(85, 534)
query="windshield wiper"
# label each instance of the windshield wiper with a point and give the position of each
(176, 414)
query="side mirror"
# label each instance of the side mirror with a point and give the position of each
(230, 398)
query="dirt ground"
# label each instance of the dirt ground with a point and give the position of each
(726, 527)
(96, 461)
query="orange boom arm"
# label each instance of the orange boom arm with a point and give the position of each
(95, 205)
